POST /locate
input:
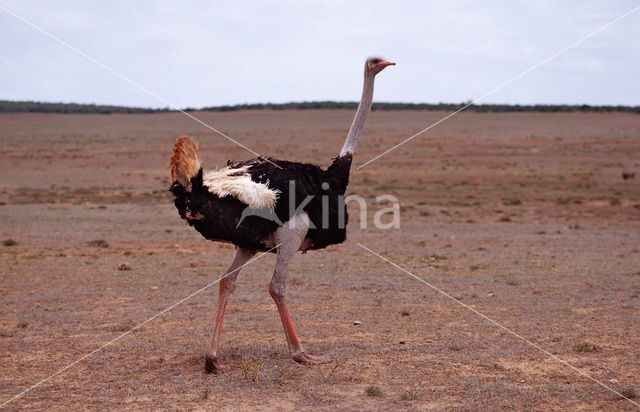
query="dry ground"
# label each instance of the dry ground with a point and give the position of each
(523, 217)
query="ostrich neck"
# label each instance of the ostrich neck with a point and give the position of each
(361, 115)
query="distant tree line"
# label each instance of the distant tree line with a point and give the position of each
(7, 106)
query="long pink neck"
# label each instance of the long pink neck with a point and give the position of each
(361, 115)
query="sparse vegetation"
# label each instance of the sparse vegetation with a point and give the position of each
(586, 347)
(123, 326)
(9, 242)
(252, 369)
(98, 243)
(628, 392)
(563, 200)
(511, 201)
(373, 390)
(433, 258)
(410, 395)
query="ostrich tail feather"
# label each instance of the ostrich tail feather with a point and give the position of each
(185, 161)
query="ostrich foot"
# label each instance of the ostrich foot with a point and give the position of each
(213, 365)
(308, 359)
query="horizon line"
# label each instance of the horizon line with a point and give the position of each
(13, 106)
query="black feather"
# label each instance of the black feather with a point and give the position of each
(223, 216)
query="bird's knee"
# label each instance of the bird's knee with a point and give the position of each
(227, 285)
(276, 290)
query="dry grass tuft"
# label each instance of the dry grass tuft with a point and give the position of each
(252, 369)
(256, 370)
(9, 242)
(511, 201)
(410, 395)
(586, 347)
(333, 367)
(373, 390)
(628, 392)
(98, 243)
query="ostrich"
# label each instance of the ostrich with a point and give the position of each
(247, 202)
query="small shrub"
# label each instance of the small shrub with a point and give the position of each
(9, 242)
(373, 390)
(628, 393)
(614, 201)
(511, 201)
(410, 395)
(98, 243)
(504, 219)
(586, 347)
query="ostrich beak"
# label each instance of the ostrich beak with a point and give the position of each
(386, 63)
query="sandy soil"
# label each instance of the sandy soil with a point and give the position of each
(523, 217)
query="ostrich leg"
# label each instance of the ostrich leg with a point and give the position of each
(290, 237)
(212, 362)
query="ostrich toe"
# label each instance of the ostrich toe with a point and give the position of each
(308, 359)
(213, 365)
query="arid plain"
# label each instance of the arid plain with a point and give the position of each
(523, 217)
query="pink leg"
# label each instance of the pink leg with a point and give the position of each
(289, 237)
(227, 286)
(295, 347)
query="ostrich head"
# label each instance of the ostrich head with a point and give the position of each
(376, 64)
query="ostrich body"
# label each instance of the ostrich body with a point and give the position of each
(265, 204)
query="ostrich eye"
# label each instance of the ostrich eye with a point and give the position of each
(375, 61)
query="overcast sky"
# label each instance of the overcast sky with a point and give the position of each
(195, 54)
